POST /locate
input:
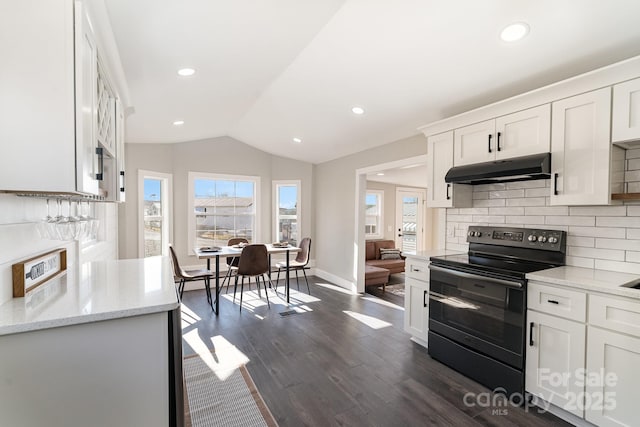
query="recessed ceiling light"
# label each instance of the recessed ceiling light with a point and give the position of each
(380, 174)
(298, 140)
(186, 72)
(514, 32)
(357, 110)
(178, 123)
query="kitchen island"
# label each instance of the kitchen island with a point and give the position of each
(99, 345)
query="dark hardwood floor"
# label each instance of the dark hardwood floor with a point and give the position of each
(343, 360)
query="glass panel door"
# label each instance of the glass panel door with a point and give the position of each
(409, 220)
(153, 217)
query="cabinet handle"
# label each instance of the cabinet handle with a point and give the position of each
(415, 269)
(424, 298)
(531, 334)
(448, 196)
(552, 301)
(490, 136)
(555, 184)
(122, 178)
(100, 174)
(498, 141)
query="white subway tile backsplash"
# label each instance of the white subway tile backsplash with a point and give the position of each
(633, 256)
(506, 211)
(488, 203)
(598, 210)
(587, 242)
(504, 194)
(633, 164)
(536, 192)
(527, 201)
(580, 262)
(583, 221)
(495, 219)
(614, 233)
(624, 244)
(613, 221)
(610, 254)
(633, 154)
(538, 220)
(604, 237)
(547, 210)
(623, 267)
(630, 175)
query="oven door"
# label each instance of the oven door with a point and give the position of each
(483, 313)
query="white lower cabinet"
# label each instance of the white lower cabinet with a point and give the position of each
(588, 369)
(555, 354)
(416, 299)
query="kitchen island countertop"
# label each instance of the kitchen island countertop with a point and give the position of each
(92, 292)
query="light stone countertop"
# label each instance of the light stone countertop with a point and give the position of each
(425, 255)
(95, 291)
(587, 279)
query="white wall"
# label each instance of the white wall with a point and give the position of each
(602, 237)
(335, 200)
(19, 238)
(222, 155)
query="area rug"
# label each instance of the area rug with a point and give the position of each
(228, 398)
(393, 292)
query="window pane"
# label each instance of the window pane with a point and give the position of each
(152, 208)
(287, 213)
(373, 210)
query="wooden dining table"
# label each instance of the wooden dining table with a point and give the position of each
(232, 251)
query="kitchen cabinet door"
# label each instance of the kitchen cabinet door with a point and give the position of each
(86, 103)
(523, 133)
(474, 143)
(416, 308)
(581, 149)
(120, 155)
(555, 352)
(612, 367)
(439, 161)
(626, 111)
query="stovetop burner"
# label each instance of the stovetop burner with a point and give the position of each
(509, 251)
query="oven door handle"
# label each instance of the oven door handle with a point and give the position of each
(475, 276)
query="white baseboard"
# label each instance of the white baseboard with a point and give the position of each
(336, 280)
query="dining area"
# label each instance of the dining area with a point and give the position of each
(245, 261)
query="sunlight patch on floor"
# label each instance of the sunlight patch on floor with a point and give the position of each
(370, 321)
(224, 359)
(383, 302)
(188, 316)
(336, 288)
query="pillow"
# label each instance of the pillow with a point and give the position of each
(390, 253)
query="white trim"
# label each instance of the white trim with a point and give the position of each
(191, 224)
(274, 198)
(166, 197)
(380, 223)
(361, 186)
(350, 286)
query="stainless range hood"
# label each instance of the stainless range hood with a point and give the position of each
(536, 166)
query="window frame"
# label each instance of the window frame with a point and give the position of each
(166, 187)
(276, 184)
(380, 222)
(191, 217)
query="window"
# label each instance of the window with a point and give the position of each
(373, 214)
(287, 215)
(154, 213)
(222, 207)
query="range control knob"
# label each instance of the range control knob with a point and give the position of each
(553, 239)
(532, 238)
(542, 239)
(478, 233)
(471, 233)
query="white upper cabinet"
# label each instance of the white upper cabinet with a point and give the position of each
(523, 133)
(581, 149)
(626, 111)
(58, 106)
(513, 135)
(439, 160)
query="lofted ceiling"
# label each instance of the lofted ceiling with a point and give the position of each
(268, 71)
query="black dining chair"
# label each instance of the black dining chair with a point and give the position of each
(182, 276)
(254, 262)
(300, 263)
(232, 262)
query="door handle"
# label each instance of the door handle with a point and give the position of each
(100, 174)
(531, 334)
(448, 196)
(424, 298)
(122, 178)
(555, 184)
(490, 136)
(498, 141)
